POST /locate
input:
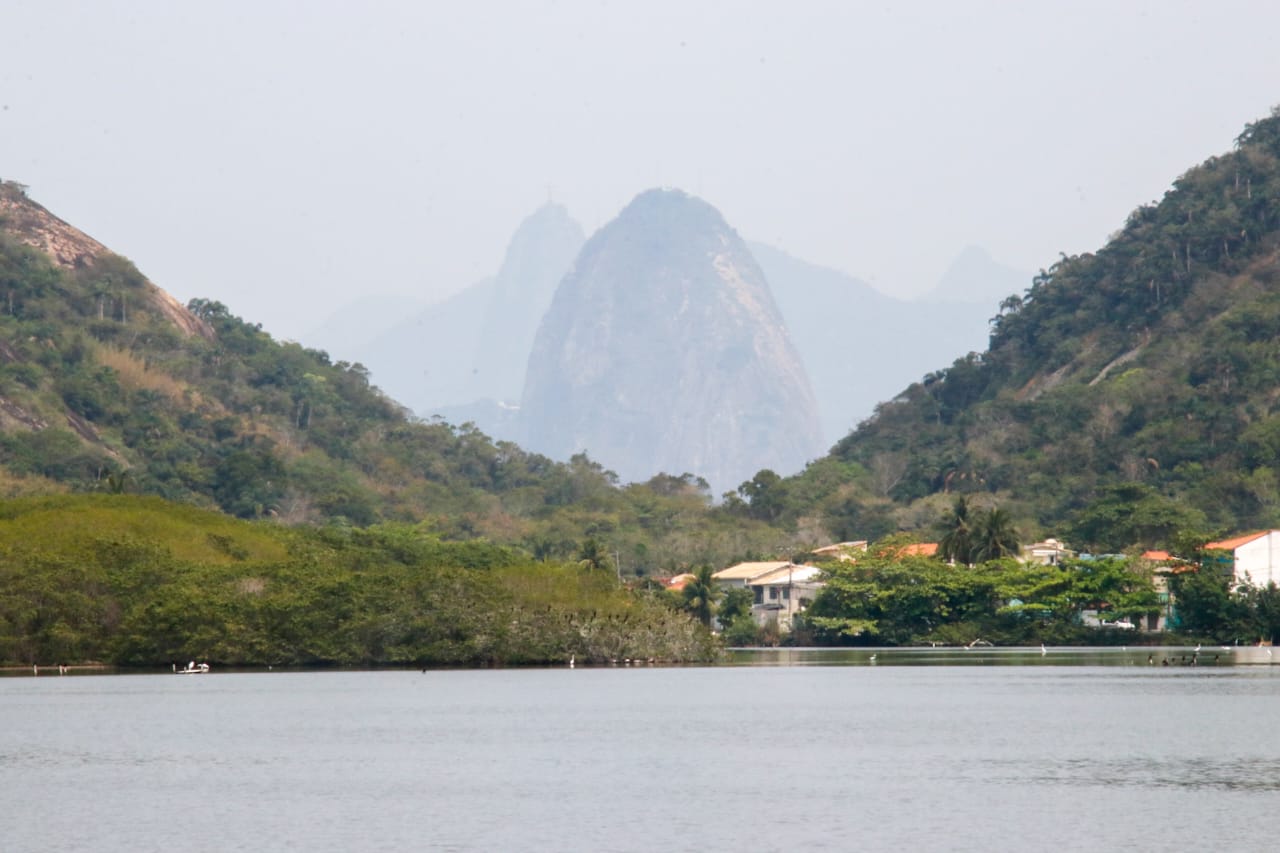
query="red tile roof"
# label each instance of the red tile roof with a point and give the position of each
(1232, 544)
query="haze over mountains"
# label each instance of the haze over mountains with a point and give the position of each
(464, 359)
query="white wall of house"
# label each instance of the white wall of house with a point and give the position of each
(1258, 562)
(780, 602)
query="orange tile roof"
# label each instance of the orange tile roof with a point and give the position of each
(1232, 544)
(920, 549)
(678, 582)
(1156, 555)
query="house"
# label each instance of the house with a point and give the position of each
(780, 589)
(736, 577)
(919, 549)
(1163, 566)
(1049, 552)
(677, 583)
(843, 551)
(782, 593)
(1253, 559)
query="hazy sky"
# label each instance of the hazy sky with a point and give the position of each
(286, 157)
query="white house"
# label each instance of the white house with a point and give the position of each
(1255, 558)
(781, 589)
(784, 592)
(737, 577)
(1049, 552)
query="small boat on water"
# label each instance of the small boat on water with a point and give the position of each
(192, 668)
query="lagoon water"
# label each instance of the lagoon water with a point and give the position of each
(814, 750)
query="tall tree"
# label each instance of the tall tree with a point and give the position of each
(592, 554)
(700, 594)
(957, 542)
(996, 537)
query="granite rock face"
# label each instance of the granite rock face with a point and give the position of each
(663, 351)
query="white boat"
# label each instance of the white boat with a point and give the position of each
(193, 668)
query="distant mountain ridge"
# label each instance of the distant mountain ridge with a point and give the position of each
(859, 345)
(975, 277)
(473, 346)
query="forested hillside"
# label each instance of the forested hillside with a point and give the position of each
(107, 384)
(1128, 397)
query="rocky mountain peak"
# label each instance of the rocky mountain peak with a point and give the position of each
(538, 255)
(663, 350)
(70, 248)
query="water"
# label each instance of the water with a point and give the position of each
(836, 754)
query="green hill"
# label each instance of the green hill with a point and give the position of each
(1130, 396)
(108, 384)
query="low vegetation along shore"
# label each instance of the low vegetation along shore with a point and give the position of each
(133, 581)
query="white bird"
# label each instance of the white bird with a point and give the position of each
(1043, 650)
(571, 658)
(872, 658)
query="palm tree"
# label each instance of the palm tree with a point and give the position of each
(699, 595)
(593, 555)
(996, 537)
(957, 541)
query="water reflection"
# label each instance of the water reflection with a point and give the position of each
(1152, 656)
(1192, 773)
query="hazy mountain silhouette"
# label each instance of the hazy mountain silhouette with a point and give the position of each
(663, 350)
(859, 345)
(466, 355)
(975, 277)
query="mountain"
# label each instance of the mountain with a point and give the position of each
(1131, 397)
(663, 351)
(357, 326)
(859, 345)
(108, 385)
(977, 278)
(425, 359)
(465, 357)
(539, 255)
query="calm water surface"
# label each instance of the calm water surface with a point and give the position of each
(832, 752)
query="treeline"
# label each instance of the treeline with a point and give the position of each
(886, 598)
(140, 582)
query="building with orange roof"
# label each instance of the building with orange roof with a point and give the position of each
(1254, 557)
(843, 551)
(919, 549)
(677, 583)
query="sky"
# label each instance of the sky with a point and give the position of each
(287, 158)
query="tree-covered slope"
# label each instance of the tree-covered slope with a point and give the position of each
(108, 384)
(1130, 394)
